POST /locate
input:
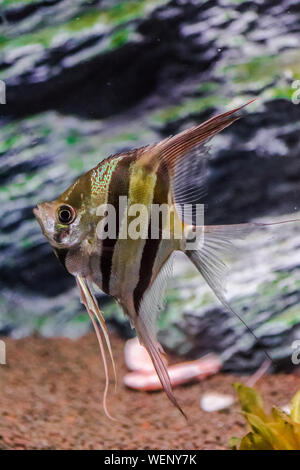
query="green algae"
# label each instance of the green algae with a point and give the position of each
(83, 318)
(207, 87)
(282, 283)
(187, 108)
(179, 301)
(9, 143)
(289, 317)
(208, 95)
(233, 2)
(127, 136)
(272, 72)
(73, 137)
(77, 164)
(113, 310)
(27, 243)
(191, 107)
(9, 3)
(119, 38)
(74, 145)
(277, 92)
(102, 21)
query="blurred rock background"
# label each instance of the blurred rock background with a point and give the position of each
(89, 78)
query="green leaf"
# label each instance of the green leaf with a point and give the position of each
(279, 431)
(284, 428)
(250, 400)
(253, 441)
(295, 411)
(234, 443)
(258, 426)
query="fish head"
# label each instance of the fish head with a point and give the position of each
(66, 221)
(60, 223)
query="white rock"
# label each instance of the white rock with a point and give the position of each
(212, 401)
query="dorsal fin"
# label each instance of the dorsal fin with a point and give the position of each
(185, 158)
(175, 148)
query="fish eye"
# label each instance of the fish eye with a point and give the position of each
(65, 214)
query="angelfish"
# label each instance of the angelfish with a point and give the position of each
(135, 271)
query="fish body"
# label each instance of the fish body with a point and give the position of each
(112, 263)
(135, 269)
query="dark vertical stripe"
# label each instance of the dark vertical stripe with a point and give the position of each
(152, 245)
(118, 186)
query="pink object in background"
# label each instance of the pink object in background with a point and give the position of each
(137, 357)
(145, 378)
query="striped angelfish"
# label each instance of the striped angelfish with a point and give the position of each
(89, 226)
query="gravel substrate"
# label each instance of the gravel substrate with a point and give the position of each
(51, 393)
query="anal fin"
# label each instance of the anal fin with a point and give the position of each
(155, 351)
(145, 323)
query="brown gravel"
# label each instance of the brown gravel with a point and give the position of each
(51, 393)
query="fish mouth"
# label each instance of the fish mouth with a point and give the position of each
(37, 212)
